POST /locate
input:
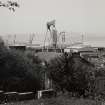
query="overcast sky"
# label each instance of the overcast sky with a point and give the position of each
(83, 16)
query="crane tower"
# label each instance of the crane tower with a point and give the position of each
(53, 33)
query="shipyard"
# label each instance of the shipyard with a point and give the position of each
(52, 52)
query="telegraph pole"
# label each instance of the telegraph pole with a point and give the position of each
(14, 39)
(82, 39)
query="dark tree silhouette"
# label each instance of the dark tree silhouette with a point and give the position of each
(71, 73)
(17, 71)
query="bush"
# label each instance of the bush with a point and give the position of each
(71, 73)
(18, 72)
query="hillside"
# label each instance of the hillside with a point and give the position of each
(47, 56)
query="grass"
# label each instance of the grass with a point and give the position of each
(61, 100)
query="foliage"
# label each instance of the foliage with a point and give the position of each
(70, 72)
(11, 5)
(18, 72)
(100, 72)
(31, 55)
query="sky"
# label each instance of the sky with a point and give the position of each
(76, 16)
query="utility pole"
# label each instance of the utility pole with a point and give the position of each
(14, 39)
(31, 38)
(82, 39)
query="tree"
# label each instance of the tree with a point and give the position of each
(18, 72)
(11, 5)
(71, 72)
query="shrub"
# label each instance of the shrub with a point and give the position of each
(17, 71)
(71, 73)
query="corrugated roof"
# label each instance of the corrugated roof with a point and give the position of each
(84, 49)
